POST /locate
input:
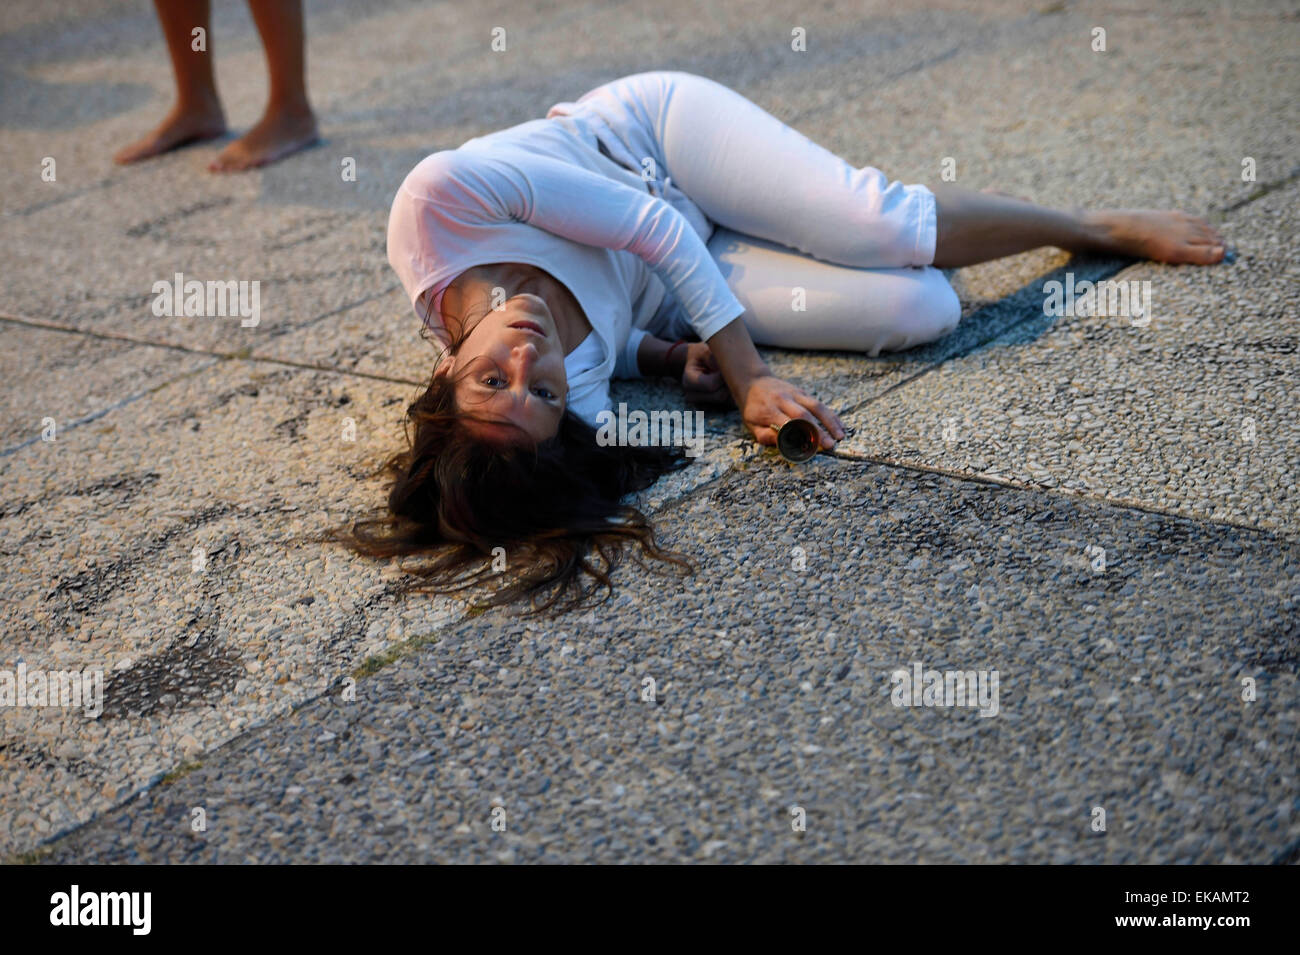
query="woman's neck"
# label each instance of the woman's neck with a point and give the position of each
(479, 284)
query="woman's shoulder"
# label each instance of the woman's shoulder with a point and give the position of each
(537, 137)
(437, 169)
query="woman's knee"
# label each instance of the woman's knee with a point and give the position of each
(930, 308)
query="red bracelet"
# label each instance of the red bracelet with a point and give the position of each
(668, 354)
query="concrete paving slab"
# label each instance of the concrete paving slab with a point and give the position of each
(1119, 689)
(94, 263)
(68, 379)
(1164, 116)
(167, 545)
(1189, 408)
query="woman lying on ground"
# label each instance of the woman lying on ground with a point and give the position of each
(556, 254)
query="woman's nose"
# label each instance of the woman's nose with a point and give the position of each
(524, 355)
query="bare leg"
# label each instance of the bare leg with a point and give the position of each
(197, 113)
(288, 124)
(979, 226)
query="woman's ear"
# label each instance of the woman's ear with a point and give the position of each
(445, 363)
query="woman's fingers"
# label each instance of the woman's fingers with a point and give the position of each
(792, 409)
(770, 403)
(829, 419)
(807, 407)
(705, 385)
(711, 381)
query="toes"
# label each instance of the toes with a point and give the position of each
(237, 157)
(141, 149)
(1205, 234)
(225, 163)
(1195, 255)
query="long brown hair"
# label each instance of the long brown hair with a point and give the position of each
(554, 507)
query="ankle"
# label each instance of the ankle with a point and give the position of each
(1096, 230)
(206, 105)
(288, 107)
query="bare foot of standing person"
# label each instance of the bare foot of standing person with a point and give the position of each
(280, 132)
(184, 125)
(288, 123)
(197, 114)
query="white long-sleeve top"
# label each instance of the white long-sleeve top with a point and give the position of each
(543, 194)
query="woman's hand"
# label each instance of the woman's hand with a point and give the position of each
(701, 380)
(765, 401)
(770, 402)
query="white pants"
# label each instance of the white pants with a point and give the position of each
(821, 254)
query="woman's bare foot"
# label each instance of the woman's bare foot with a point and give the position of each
(1172, 237)
(183, 125)
(277, 134)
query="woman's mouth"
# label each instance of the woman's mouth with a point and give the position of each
(529, 326)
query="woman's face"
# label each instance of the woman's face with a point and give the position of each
(510, 368)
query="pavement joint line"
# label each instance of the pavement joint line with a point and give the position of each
(241, 355)
(216, 355)
(977, 345)
(95, 415)
(1064, 492)
(1260, 192)
(312, 322)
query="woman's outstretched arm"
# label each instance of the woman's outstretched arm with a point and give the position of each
(765, 401)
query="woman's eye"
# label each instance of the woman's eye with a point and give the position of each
(545, 393)
(492, 381)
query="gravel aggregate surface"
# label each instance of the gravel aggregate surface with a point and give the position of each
(1119, 689)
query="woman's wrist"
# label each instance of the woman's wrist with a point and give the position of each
(656, 357)
(675, 358)
(737, 358)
